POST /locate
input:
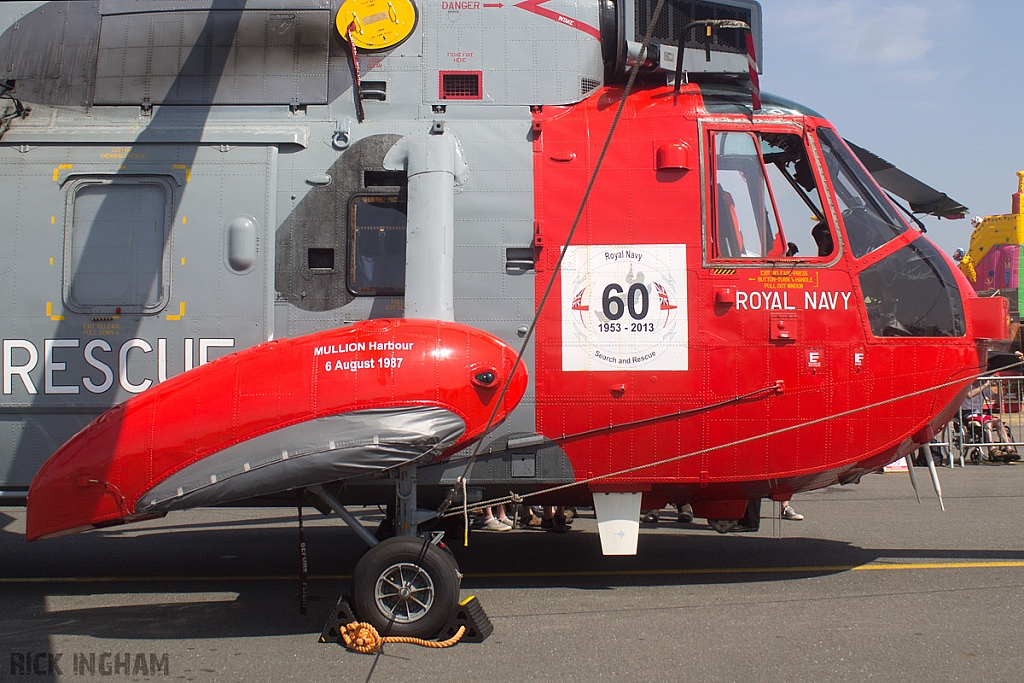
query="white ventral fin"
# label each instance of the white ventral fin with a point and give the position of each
(618, 521)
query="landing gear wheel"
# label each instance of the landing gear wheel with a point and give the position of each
(405, 586)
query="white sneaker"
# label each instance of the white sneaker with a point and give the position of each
(493, 524)
(507, 522)
(789, 513)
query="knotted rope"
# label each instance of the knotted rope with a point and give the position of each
(363, 637)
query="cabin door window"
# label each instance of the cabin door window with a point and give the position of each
(116, 241)
(765, 201)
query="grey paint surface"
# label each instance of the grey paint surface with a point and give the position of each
(269, 57)
(313, 452)
(226, 162)
(244, 113)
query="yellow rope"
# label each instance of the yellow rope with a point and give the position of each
(363, 637)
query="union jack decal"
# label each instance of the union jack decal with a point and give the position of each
(666, 303)
(578, 305)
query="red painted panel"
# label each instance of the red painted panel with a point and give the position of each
(99, 475)
(836, 411)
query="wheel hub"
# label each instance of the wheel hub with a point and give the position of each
(404, 592)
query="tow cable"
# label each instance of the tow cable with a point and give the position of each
(363, 637)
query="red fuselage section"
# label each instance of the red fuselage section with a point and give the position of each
(689, 328)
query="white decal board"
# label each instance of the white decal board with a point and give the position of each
(624, 308)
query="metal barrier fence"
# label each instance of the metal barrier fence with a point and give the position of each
(989, 425)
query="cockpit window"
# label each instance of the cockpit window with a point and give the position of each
(869, 217)
(796, 196)
(765, 203)
(912, 293)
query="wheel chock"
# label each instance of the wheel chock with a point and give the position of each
(340, 616)
(471, 615)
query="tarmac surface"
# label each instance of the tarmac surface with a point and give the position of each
(872, 585)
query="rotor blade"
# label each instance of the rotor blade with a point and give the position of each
(921, 197)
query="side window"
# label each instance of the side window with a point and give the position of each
(745, 222)
(377, 245)
(795, 190)
(115, 238)
(766, 201)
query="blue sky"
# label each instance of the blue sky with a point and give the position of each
(936, 87)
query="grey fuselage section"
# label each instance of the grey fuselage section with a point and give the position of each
(187, 178)
(184, 184)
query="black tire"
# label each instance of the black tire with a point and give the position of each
(976, 456)
(429, 576)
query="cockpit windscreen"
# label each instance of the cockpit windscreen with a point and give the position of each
(869, 217)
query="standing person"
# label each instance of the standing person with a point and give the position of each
(496, 520)
(685, 515)
(789, 513)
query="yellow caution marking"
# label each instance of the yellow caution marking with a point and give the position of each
(53, 219)
(62, 167)
(182, 260)
(186, 169)
(51, 260)
(49, 312)
(184, 220)
(181, 313)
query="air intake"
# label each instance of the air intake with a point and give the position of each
(461, 85)
(728, 46)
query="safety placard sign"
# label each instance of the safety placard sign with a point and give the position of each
(624, 308)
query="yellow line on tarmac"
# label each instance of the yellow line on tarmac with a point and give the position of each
(940, 565)
(808, 569)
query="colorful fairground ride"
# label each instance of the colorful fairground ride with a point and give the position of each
(996, 257)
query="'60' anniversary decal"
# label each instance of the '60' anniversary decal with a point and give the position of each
(624, 307)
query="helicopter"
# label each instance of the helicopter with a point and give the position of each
(433, 255)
